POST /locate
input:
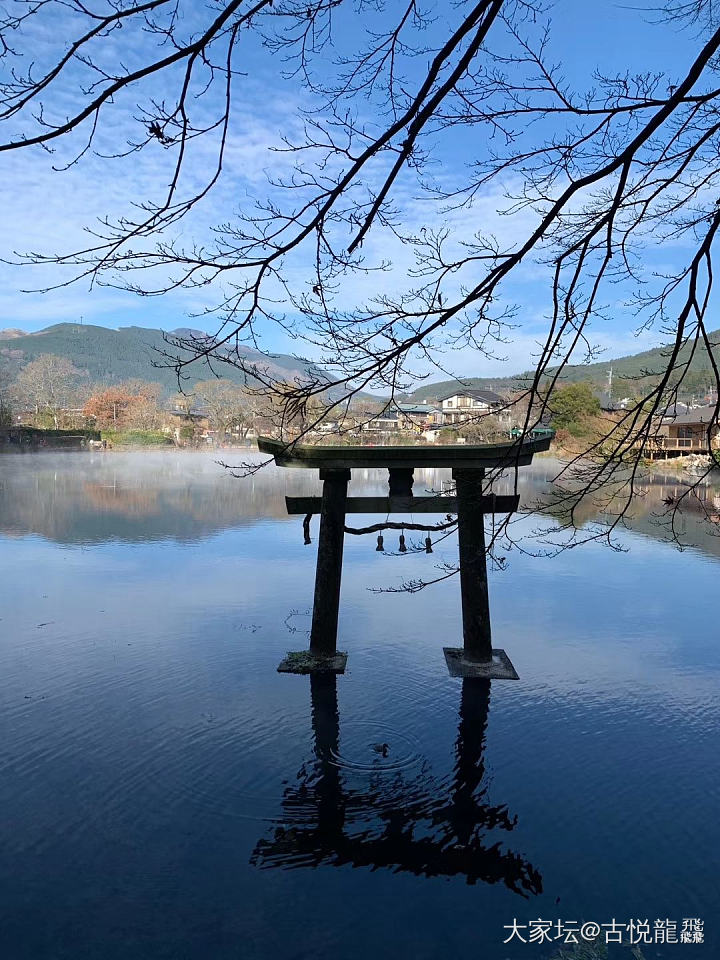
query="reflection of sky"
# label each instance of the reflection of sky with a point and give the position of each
(148, 738)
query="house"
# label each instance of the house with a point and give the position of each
(683, 433)
(609, 405)
(415, 417)
(188, 424)
(418, 416)
(465, 404)
(383, 422)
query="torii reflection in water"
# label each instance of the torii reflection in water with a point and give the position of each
(424, 825)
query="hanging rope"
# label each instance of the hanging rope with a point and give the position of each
(392, 525)
(387, 525)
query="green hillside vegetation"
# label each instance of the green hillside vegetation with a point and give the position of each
(630, 374)
(114, 356)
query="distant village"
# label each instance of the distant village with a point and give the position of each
(45, 406)
(219, 413)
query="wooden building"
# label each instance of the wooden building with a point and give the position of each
(678, 435)
(463, 405)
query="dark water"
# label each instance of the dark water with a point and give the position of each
(166, 794)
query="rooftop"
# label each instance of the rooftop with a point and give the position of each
(489, 396)
(699, 415)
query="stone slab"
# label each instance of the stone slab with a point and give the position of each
(499, 668)
(302, 661)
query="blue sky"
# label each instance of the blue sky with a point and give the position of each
(45, 210)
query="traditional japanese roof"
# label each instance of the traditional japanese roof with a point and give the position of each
(703, 415)
(418, 408)
(488, 396)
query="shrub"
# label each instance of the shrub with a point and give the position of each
(137, 438)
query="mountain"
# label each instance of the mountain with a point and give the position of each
(111, 356)
(626, 372)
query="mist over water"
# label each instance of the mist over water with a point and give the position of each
(165, 793)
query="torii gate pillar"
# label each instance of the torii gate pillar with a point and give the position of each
(477, 643)
(476, 658)
(328, 571)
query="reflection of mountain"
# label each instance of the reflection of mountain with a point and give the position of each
(659, 500)
(97, 497)
(94, 497)
(657, 495)
(696, 522)
(420, 824)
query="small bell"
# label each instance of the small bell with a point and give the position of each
(402, 547)
(380, 548)
(428, 545)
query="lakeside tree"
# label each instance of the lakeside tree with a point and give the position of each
(6, 413)
(227, 406)
(110, 408)
(132, 405)
(50, 386)
(593, 180)
(570, 405)
(144, 412)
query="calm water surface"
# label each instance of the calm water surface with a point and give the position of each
(166, 794)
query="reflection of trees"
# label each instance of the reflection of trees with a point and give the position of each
(424, 825)
(117, 499)
(95, 497)
(84, 497)
(662, 499)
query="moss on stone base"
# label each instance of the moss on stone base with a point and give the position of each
(303, 661)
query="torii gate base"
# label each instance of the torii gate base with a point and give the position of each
(477, 657)
(499, 668)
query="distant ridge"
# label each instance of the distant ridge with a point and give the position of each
(111, 356)
(626, 371)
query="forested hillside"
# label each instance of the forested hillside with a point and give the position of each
(113, 356)
(627, 373)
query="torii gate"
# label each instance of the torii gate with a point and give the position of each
(477, 657)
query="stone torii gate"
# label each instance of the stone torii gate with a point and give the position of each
(477, 657)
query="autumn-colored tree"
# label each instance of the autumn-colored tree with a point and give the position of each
(110, 408)
(143, 413)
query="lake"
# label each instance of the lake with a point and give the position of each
(165, 793)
